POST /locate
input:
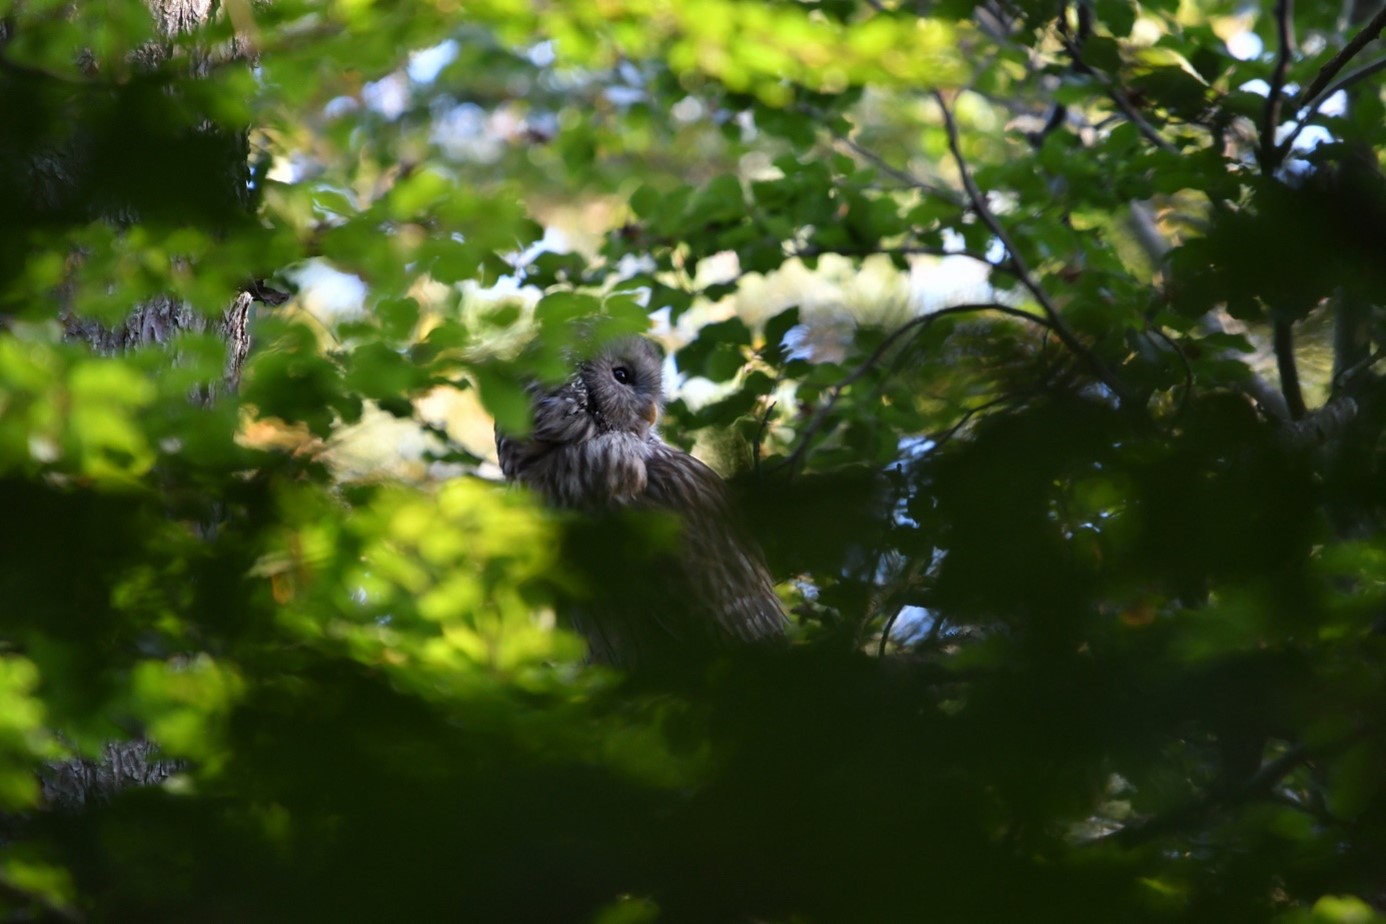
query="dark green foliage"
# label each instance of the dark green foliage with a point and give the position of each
(1086, 625)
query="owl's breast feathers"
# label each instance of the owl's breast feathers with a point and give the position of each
(717, 572)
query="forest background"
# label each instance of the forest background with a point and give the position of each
(1039, 341)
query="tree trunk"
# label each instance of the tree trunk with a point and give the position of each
(73, 175)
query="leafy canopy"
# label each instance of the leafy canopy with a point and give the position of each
(1039, 336)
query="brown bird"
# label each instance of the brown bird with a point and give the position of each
(594, 447)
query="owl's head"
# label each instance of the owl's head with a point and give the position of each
(624, 382)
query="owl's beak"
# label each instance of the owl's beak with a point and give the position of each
(651, 413)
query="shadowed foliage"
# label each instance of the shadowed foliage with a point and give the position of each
(1038, 345)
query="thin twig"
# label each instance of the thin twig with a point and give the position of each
(1051, 312)
(1270, 115)
(1254, 385)
(886, 630)
(1326, 73)
(903, 176)
(1347, 80)
(1365, 363)
(820, 416)
(1115, 94)
(322, 325)
(945, 435)
(1188, 369)
(1193, 813)
(881, 163)
(1259, 784)
(760, 433)
(907, 576)
(1352, 77)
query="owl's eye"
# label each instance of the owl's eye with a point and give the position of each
(622, 375)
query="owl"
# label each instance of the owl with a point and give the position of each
(595, 448)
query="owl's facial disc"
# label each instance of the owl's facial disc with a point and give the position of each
(647, 409)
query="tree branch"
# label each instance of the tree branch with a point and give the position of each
(909, 250)
(820, 416)
(1326, 73)
(1147, 233)
(1289, 371)
(1056, 322)
(1271, 153)
(1118, 98)
(896, 173)
(1258, 784)
(1353, 77)
(760, 434)
(944, 436)
(1348, 80)
(1255, 386)
(1192, 814)
(1188, 369)
(1321, 425)
(1270, 156)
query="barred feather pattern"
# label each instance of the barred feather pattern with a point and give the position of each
(594, 447)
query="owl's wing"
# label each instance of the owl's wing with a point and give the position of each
(560, 418)
(722, 569)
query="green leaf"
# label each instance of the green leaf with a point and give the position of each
(1102, 52)
(1117, 15)
(559, 309)
(719, 201)
(777, 327)
(716, 351)
(398, 318)
(504, 399)
(380, 373)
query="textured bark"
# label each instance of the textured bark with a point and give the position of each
(55, 187)
(158, 320)
(69, 175)
(178, 16)
(72, 784)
